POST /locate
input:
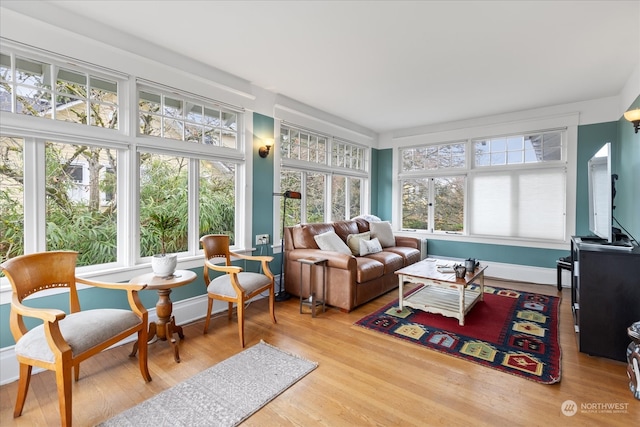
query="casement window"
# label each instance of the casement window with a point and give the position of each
(331, 174)
(510, 186)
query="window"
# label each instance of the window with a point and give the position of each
(330, 173)
(176, 117)
(11, 197)
(514, 187)
(44, 89)
(76, 218)
(432, 199)
(217, 198)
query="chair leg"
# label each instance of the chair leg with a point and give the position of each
(76, 372)
(208, 318)
(272, 305)
(230, 310)
(23, 388)
(142, 356)
(63, 380)
(241, 321)
(559, 277)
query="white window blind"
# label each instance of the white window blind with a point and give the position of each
(519, 204)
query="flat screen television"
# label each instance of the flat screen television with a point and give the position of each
(601, 194)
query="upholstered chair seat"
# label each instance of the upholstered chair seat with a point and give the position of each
(82, 331)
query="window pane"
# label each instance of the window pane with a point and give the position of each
(315, 197)
(338, 190)
(354, 197)
(415, 204)
(163, 189)
(290, 181)
(449, 204)
(526, 204)
(11, 198)
(79, 216)
(434, 157)
(217, 198)
(33, 73)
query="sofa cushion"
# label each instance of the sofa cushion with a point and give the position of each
(303, 235)
(368, 269)
(391, 261)
(353, 241)
(344, 228)
(371, 246)
(382, 230)
(330, 241)
(410, 255)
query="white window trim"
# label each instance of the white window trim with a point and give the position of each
(568, 121)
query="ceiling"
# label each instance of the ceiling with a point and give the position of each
(389, 65)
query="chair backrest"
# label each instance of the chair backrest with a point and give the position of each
(32, 273)
(215, 246)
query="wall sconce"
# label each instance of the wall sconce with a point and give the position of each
(264, 151)
(634, 117)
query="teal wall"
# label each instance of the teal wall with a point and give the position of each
(383, 207)
(627, 161)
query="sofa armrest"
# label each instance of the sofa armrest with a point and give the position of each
(411, 242)
(334, 259)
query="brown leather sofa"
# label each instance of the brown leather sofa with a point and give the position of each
(350, 280)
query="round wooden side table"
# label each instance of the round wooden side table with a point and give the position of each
(164, 328)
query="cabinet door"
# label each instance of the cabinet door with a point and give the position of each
(609, 301)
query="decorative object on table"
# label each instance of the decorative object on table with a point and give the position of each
(460, 270)
(224, 395)
(470, 264)
(511, 331)
(63, 340)
(235, 285)
(633, 359)
(163, 264)
(282, 294)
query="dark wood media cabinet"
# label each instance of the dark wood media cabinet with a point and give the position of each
(605, 297)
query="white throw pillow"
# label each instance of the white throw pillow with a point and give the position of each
(382, 230)
(370, 246)
(330, 241)
(353, 241)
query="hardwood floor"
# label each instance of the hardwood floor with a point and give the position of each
(363, 378)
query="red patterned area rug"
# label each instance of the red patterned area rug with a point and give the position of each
(511, 331)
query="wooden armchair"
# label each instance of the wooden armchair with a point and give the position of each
(63, 340)
(235, 286)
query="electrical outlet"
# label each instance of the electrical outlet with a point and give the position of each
(262, 239)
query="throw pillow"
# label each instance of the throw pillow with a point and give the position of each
(353, 241)
(382, 230)
(370, 246)
(330, 241)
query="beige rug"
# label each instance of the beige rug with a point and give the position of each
(224, 395)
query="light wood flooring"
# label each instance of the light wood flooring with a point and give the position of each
(363, 378)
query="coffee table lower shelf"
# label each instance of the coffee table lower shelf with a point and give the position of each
(445, 301)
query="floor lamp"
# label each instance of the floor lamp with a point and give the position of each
(282, 294)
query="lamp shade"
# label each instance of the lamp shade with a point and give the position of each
(632, 115)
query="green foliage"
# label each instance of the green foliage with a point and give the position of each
(162, 224)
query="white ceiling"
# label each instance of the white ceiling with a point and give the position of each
(389, 65)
